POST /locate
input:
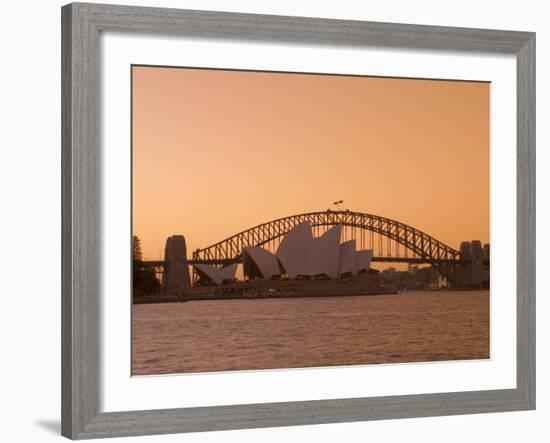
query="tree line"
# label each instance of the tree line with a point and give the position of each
(144, 279)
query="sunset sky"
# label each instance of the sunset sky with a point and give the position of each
(217, 152)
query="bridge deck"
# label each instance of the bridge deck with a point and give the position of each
(412, 260)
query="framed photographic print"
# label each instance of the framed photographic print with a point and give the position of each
(273, 221)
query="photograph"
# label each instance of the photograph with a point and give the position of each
(286, 220)
(278, 221)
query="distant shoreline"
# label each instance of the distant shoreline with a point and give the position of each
(152, 299)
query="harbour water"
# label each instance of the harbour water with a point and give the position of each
(229, 335)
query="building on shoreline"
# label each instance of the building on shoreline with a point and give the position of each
(299, 256)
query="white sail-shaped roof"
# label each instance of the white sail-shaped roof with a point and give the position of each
(294, 265)
(215, 274)
(347, 258)
(228, 272)
(297, 241)
(294, 249)
(264, 260)
(324, 256)
(363, 259)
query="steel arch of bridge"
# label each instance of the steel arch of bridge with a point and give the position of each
(419, 243)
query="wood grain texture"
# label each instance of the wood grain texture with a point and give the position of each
(66, 225)
(81, 221)
(81, 205)
(230, 25)
(526, 243)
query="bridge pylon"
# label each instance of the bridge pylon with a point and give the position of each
(176, 269)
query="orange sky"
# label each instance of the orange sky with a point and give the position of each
(217, 152)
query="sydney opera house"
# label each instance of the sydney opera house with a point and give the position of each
(299, 256)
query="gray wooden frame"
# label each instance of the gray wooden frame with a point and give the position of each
(81, 167)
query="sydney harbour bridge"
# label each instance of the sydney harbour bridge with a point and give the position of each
(391, 241)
